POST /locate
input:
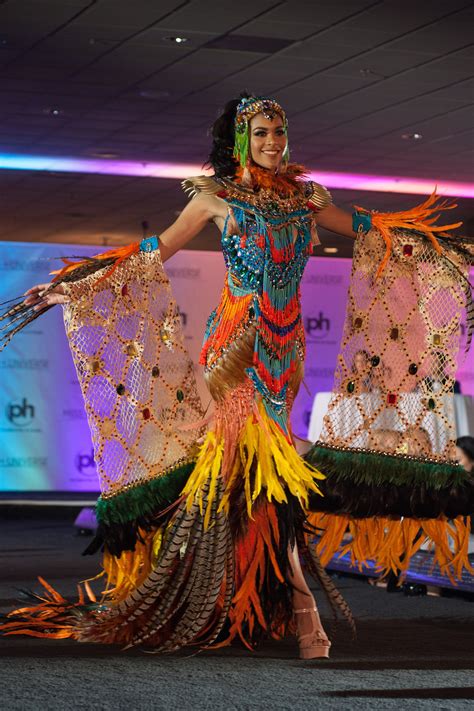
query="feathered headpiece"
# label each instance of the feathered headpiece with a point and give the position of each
(247, 109)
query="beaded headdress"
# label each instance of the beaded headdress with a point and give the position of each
(247, 109)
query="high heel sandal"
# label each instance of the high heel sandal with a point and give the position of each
(313, 645)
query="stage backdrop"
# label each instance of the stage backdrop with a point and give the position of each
(44, 438)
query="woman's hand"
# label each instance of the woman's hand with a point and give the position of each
(40, 300)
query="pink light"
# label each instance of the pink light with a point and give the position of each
(177, 171)
(393, 184)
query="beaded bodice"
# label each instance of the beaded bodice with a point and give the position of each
(275, 245)
(266, 242)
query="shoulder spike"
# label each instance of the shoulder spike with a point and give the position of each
(201, 184)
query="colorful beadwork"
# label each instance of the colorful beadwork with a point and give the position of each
(265, 253)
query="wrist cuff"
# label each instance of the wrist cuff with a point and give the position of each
(361, 221)
(149, 244)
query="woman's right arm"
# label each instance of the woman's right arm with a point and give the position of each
(197, 213)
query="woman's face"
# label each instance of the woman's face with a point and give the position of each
(464, 460)
(267, 141)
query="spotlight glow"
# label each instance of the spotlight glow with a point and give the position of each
(177, 171)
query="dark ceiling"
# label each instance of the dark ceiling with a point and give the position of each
(101, 78)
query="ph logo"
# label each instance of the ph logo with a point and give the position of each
(317, 327)
(20, 412)
(84, 461)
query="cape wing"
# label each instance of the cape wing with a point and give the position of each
(135, 374)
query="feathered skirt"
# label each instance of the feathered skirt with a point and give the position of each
(207, 560)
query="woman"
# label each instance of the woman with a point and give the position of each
(253, 357)
(217, 556)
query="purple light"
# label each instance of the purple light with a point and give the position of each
(176, 171)
(393, 184)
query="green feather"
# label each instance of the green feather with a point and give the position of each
(241, 145)
(144, 499)
(362, 467)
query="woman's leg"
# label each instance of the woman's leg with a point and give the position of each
(303, 598)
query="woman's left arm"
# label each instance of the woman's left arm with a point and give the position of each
(336, 220)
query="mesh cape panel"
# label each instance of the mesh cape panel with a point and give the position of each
(136, 377)
(393, 387)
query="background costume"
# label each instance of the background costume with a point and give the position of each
(197, 519)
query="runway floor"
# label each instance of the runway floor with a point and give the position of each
(411, 652)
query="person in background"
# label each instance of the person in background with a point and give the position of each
(360, 367)
(417, 442)
(465, 453)
(437, 384)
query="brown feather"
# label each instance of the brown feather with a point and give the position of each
(334, 597)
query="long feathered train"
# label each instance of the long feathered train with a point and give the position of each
(184, 600)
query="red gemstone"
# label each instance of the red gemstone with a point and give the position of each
(222, 194)
(125, 290)
(407, 250)
(146, 413)
(391, 398)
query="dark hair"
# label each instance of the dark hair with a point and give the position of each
(221, 157)
(467, 446)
